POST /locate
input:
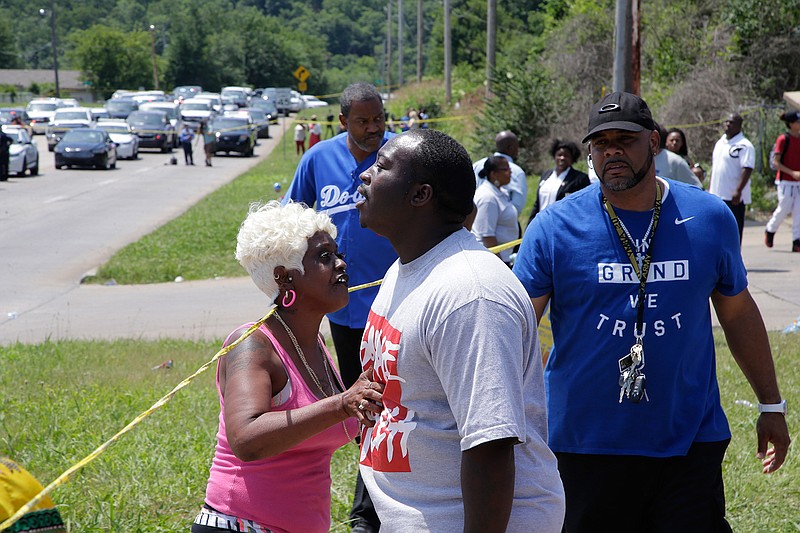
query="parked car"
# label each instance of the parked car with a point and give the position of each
(86, 147)
(214, 98)
(268, 106)
(197, 110)
(239, 95)
(154, 129)
(184, 92)
(22, 154)
(140, 97)
(296, 102)
(311, 102)
(9, 114)
(233, 134)
(172, 110)
(41, 111)
(121, 107)
(99, 113)
(120, 132)
(257, 116)
(65, 119)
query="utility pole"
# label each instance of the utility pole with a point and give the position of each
(448, 57)
(42, 13)
(399, 42)
(153, 54)
(389, 52)
(419, 41)
(491, 43)
(627, 46)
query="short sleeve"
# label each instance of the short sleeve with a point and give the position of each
(533, 265)
(485, 224)
(747, 157)
(477, 353)
(732, 274)
(302, 188)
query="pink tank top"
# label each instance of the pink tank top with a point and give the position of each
(289, 492)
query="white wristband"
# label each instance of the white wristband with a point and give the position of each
(773, 407)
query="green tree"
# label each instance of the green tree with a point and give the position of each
(526, 101)
(111, 59)
(8, 45)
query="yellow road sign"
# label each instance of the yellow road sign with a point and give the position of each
(302, 73)
(302, 86)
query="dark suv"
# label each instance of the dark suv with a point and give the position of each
(153, 129)
(233, 134)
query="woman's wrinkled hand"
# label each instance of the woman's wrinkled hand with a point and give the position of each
(364, 399)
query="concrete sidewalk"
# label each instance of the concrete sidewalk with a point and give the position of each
(773, 274)
(211, 309)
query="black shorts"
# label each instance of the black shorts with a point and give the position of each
(624, 493)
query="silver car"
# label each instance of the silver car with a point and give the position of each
(23, 154)
(120, 132)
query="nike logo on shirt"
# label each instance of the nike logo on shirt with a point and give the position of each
(679, 221)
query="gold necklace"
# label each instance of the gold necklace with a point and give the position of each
(308, 367)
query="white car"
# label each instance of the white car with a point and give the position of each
(214, 98)
(41, 112)
(22, 154)
(296, 103)
(312, 102)
(65, 119)
(120, 132)
(197, 110)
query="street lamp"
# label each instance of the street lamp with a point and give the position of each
(153, 49)
(43, 13)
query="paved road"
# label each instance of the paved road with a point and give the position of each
(43, 264)
(64, 223)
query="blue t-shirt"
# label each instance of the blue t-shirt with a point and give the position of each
(327, 177)
(572, 252)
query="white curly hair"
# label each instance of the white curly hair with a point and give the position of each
(275, 235)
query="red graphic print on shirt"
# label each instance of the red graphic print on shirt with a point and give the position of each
(384, 447)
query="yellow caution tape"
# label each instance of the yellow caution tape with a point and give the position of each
(711, 122)
(63, 478)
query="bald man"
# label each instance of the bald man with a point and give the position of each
(507, 145)
(731, 165)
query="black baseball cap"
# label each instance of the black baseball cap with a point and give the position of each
(790, 116)
(619, 111)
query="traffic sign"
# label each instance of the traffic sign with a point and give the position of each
(302, 86)
(302, 73)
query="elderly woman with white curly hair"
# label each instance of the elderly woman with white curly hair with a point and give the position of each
(283, 408)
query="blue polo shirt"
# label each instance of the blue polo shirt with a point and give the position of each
(327, 178)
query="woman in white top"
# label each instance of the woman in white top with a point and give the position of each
(496, 217)
(562, 180)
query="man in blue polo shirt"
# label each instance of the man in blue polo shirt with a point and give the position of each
(327, 177)
(628, 266)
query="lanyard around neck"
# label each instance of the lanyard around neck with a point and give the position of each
(627, 245)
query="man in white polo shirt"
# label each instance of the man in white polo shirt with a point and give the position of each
(731, 165)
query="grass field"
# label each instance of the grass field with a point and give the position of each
(60, 400)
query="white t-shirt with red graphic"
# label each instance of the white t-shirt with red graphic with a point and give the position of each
(452, 336)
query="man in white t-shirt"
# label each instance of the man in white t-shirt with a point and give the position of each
(461, 442)
(731, 165)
